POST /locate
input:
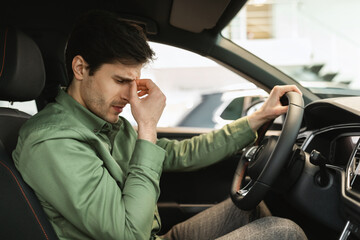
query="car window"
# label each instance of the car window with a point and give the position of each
(304, 40)
(195, 88)
(28, 107)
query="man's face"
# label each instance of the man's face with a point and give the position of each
(107, 92)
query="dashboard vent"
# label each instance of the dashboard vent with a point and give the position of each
(353, 170)
(300, 141)
(357, 156)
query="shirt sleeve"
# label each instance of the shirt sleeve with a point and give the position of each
(75, 182)
(206, 149)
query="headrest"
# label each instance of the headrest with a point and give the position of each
(22, 71)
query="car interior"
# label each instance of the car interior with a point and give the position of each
(315, 184)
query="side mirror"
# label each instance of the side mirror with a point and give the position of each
(242, 106)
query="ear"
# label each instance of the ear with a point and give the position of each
(79, 67)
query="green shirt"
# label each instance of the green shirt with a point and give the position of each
(96, 180)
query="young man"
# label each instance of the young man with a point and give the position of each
(97, 178)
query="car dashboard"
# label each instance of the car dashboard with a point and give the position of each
(331, 127)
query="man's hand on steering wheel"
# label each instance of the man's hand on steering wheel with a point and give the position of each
(272, 108)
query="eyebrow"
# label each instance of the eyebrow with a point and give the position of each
(122, 78)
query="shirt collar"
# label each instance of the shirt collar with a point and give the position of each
(85, 116)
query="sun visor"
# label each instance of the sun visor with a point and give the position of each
(195, 16)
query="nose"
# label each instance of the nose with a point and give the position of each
(125, 92)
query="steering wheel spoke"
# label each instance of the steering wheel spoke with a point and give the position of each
(243, 191)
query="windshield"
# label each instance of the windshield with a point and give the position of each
(314, 42)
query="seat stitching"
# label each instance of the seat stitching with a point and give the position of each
(27, 200)
(3, 63)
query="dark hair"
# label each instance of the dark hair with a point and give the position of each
(101, 37)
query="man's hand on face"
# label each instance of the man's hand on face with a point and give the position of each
(272, 107)
(147, 104)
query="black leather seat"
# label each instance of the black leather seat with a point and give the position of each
(22, 78)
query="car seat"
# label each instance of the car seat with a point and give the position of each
(22, 78)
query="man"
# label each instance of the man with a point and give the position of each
(95, 177)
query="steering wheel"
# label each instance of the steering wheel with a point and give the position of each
(264, 162)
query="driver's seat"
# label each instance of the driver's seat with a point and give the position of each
(22, 78)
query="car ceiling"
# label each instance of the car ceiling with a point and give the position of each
(193, 16)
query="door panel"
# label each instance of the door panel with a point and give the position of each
(183, 194)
